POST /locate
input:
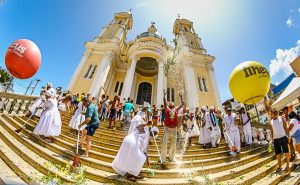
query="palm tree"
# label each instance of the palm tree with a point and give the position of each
(5, 80)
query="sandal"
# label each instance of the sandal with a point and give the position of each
(48, 140)
(132, 179)
(278, 170)
(293, 156)
(85, 155)
(286, 169)
(139, 177)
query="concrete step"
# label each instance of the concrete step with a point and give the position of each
(255, 167)
(274, 178)
(93, 174)
(184, 164)
(113, 144)
(28, 155)
(267, 165)
(24, 170)
(8, 176)
(39, 147)
(172, 173)
(292, 179)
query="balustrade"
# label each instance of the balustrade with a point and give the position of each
(12, 103)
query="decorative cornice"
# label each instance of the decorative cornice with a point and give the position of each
(109, 55)
(210, 67)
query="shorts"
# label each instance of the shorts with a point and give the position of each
(296, 136)
(91, 129)
(281, 145)
(112, 114)
(126, 114)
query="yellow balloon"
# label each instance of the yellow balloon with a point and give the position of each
(249, 82)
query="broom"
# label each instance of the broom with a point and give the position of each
(23, 126)
(152, 171)
(233, 148)
(156, 144)
(76, 159)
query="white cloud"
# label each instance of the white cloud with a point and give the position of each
(299, 10)
(141, 4)
(290, 22)
(281, 63)
(276, 83)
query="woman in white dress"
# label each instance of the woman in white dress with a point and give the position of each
(64, 104)
(50, 121)
(189, 129)
(78, 117)
(39, 102)
(133, 152)
(204, 136)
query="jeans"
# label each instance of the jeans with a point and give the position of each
(103, 114)
(169, 133)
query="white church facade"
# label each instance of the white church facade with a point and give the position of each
(142, 68)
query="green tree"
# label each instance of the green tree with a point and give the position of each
(5, 79)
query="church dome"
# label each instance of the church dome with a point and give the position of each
(147, 34)
(152, 32)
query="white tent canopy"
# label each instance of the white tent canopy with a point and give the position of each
(291, 93)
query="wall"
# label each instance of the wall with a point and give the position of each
(205, 98)
(83, 84)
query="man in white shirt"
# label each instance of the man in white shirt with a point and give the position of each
(204, 137)
(215, 132)
(230, 122)
(246, 126)
(104, 106)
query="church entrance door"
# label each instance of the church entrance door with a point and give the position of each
(144, 93)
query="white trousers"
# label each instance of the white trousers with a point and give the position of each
(248, 133)
(206, 135)
(215, 135)
(169, 134)
(235, 138)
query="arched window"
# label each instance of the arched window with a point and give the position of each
(170, 94)
(144, 93)
(116, 87)
(120, 89)
(192, 45)
(93, 72)
(200, 84)
(88, 71)
(204, 84)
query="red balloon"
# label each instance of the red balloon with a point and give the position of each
(23, 58)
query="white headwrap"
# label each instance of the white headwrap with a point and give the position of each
(49, 84)
(146, 104)
(49, 93)
(204, 108)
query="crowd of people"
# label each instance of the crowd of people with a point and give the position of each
(180, 124)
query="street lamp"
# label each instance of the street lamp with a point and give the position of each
(37, 81)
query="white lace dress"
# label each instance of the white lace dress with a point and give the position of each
(50, 121)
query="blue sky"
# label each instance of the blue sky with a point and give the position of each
(231, 30)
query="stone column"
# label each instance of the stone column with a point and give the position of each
(134, 86)
(76, 74)
(191, 86)
(129, 79)
(160, 85)
(101, 74)
(214, 84)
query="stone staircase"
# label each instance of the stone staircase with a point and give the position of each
(23, 156)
